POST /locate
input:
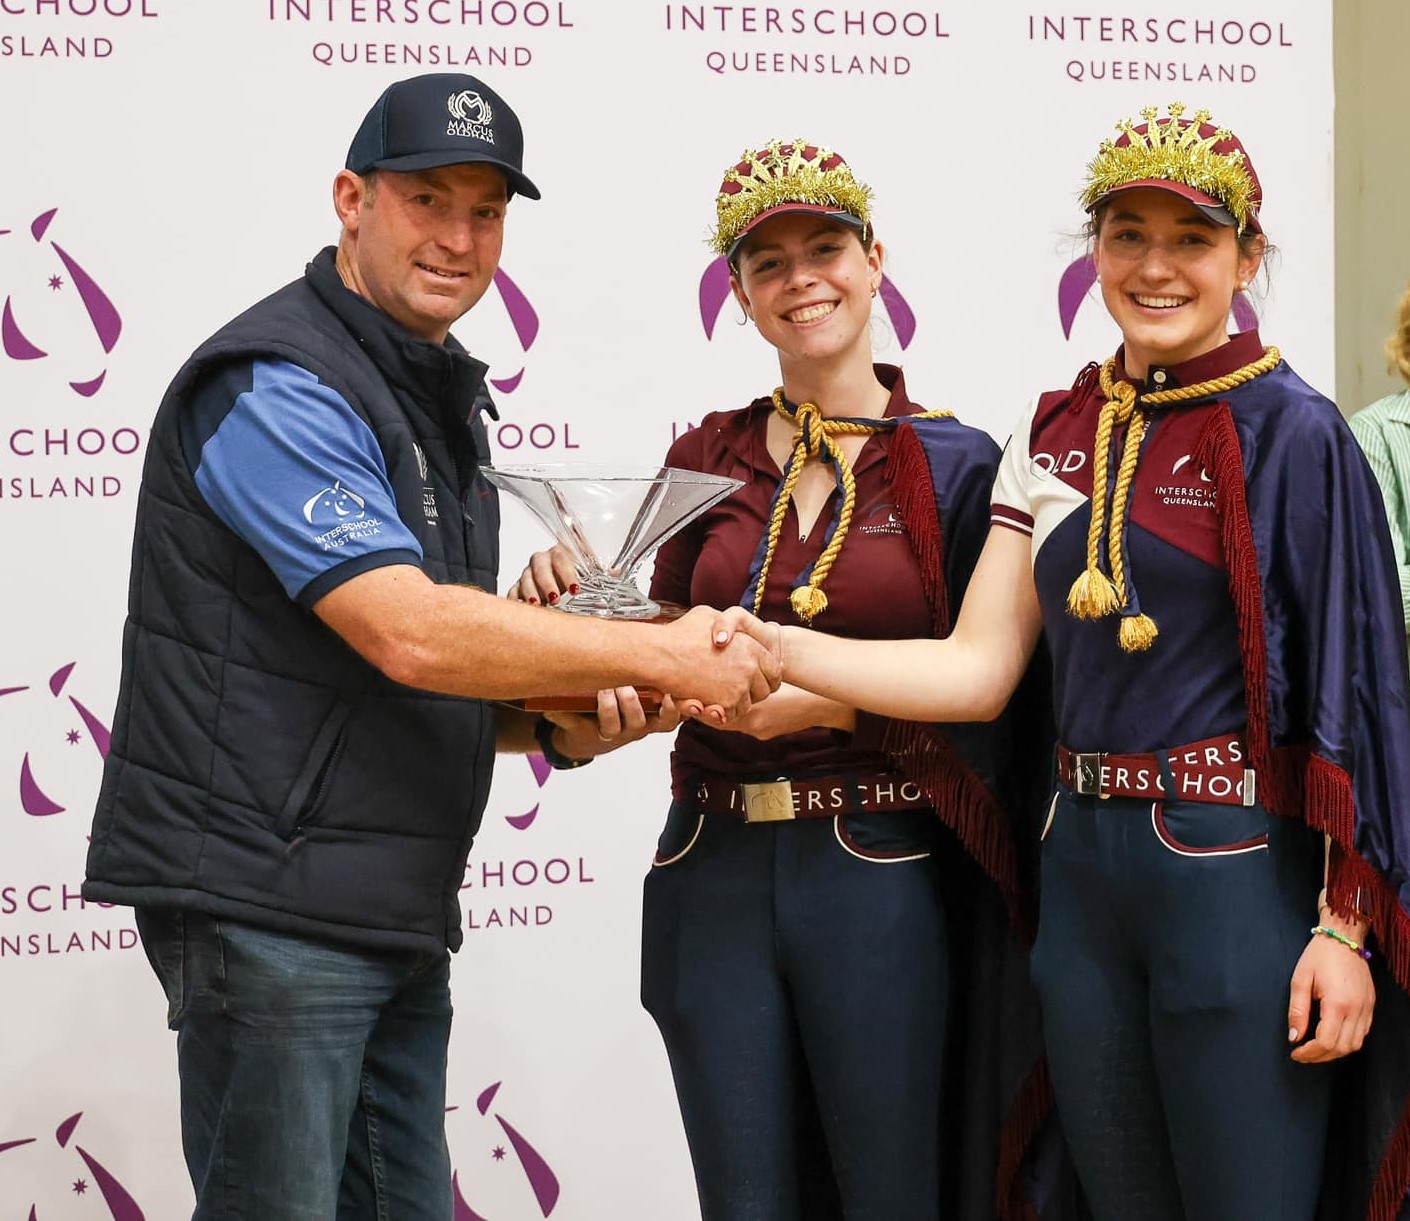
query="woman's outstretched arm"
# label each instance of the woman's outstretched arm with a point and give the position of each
(969, 676)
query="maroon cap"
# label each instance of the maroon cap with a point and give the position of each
(1192, 158)
(784, 177)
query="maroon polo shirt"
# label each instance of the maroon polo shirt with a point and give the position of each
(873, 591)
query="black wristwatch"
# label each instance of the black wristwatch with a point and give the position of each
(555, 758)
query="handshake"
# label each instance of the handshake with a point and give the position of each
(714, 665)
(742, 664)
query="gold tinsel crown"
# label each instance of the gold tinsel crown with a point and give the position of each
(1190, 151)
(785, 172)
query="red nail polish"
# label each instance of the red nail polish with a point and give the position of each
(573, 588)
(552, 598)
(533, 601)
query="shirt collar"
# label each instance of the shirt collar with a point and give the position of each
(441, 376)
(894, 380)
(747, 441)
(1242, 349)
(1398, 407)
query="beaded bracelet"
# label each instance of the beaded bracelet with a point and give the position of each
(1354, 946)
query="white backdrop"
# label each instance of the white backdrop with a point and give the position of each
(170, 161)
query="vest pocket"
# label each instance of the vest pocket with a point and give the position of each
(307, 791)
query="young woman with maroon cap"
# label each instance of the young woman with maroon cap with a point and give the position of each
(825, 958)
(1229, 826)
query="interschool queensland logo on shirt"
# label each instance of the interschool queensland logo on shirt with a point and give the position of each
(1188, 487)
(470, 115)
(343, 513)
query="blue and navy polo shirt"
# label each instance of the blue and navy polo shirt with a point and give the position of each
(287, 464)
(1189, 685)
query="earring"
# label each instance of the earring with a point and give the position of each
(1243, 284)
(873, 290)
(744, 319)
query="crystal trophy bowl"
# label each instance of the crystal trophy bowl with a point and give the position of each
(610, 519)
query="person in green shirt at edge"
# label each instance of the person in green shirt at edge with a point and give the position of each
(1383, 430)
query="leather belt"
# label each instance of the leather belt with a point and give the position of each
(1214, 770)
(809, 797)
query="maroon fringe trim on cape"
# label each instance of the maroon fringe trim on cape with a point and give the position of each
(1025, 1117)
(966, 806)
(1088, 383)
(1295, 783)
(908, 473)
(921, 751)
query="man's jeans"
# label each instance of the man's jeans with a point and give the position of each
(313, 1075)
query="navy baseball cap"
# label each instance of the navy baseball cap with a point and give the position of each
(442, 118)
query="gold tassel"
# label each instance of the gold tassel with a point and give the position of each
(808, 601)
(814, 438)
(1093, 595)
(1138, 633)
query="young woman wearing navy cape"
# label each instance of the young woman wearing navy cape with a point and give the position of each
(1228, 834)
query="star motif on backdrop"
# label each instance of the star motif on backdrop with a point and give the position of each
(73, 737)
(79, 1187)
(498, 1153)
(56, 282)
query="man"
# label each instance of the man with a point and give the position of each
(293, 788)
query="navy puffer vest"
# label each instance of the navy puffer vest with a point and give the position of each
(260, 769)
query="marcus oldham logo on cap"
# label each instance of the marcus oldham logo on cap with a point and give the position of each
(470, 115)
(407, 130)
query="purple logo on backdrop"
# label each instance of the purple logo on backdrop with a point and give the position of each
(537, 1172)
(120, 1204)
(542, 771)
(102, 315)
(714, 292)
(525, 321)
(513, 434)
(1076, 285)
(34, 800)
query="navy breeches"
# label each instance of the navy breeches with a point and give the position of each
(1168, 937)
(798, 974)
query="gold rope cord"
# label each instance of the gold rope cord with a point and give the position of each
(1093, 594)
(814, 437)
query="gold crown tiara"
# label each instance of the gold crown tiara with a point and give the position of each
(782, 172)
(1173, 151)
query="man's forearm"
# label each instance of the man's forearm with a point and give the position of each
(461, 641)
